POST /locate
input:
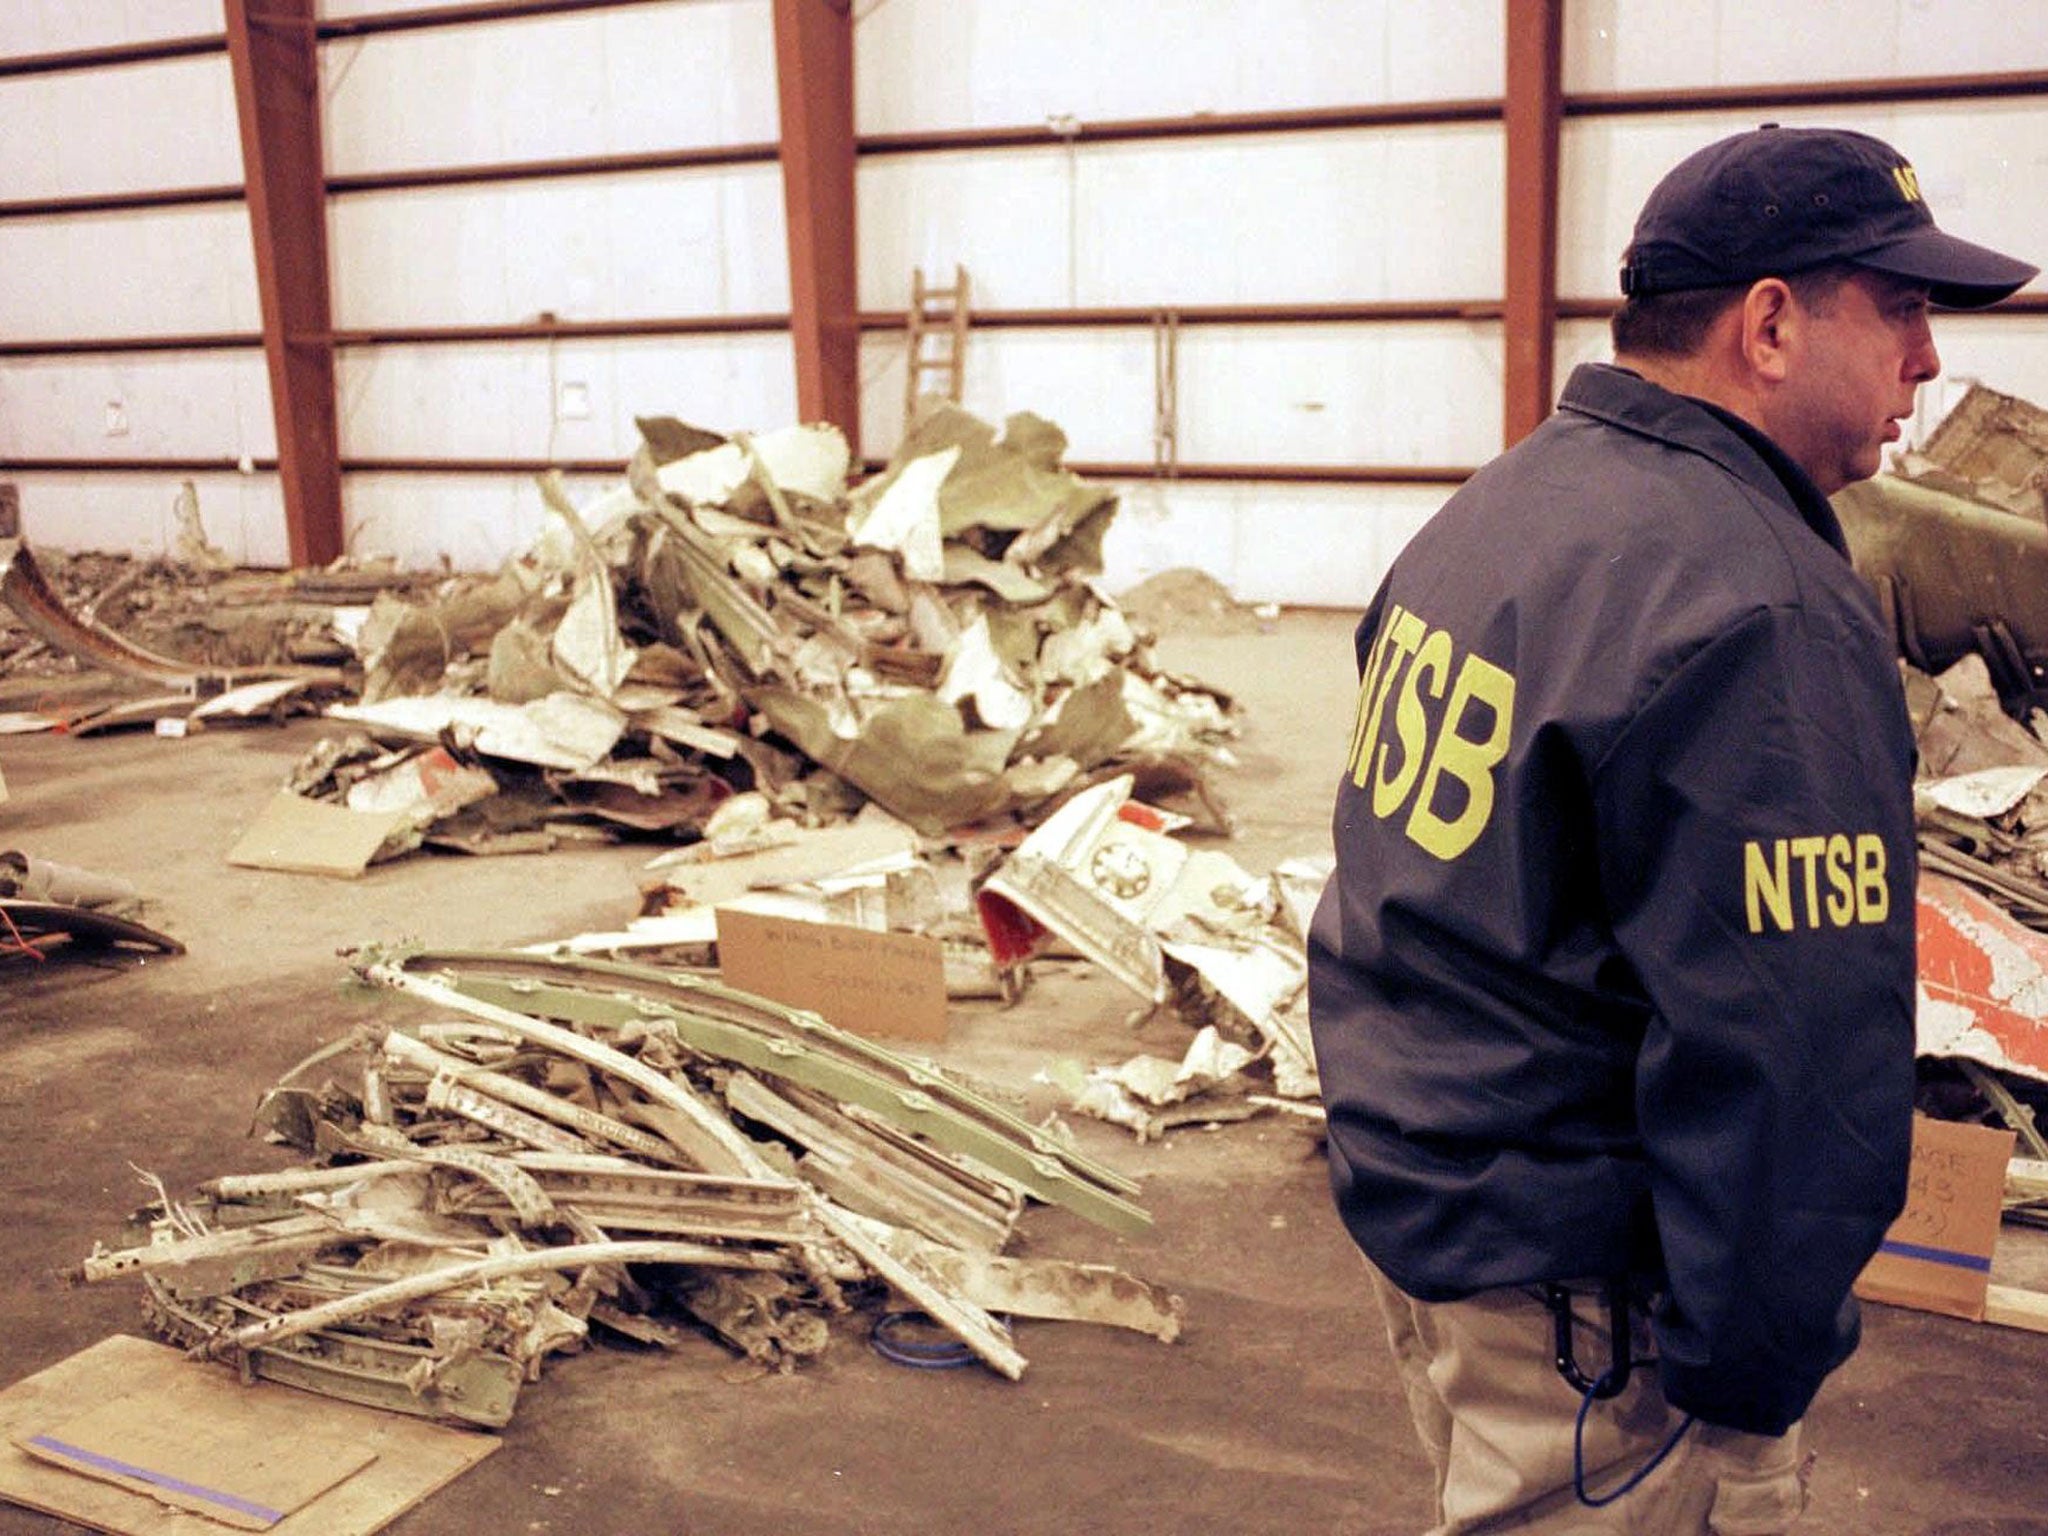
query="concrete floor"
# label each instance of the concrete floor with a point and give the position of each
(1275, 1412)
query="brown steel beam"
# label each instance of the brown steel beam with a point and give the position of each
(561, 330)
(1535, 85)
(1396, 114)
(535, 170)
(1809, 93)
(107, 57)
(118, 202)
(80, 346)
(1304, 474)
(462, 15)
(814, 89)
(1393, 311)
(18, 465)
(277, 97)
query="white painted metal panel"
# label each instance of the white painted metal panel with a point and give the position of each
(137, 128)
(61, 26)
(1638, 45)
(1409, 213)
(470, 522)
(243, 515)
(1982, 165)
(641, 77)
(153, 272)
(587, 247)
(1413, 393)
(922, 64)
(1308, 545)
(137, 405)
(572, 399)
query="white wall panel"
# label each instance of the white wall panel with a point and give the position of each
(1391, 214)
(243, 515)
(506, 400)
(922, 64)
(469, 522)
(587, 247)
(1316, 546)
(1640, 45)
(165, 404)
(151, 272)
(135, 128)
(1356, 394)
(1364, 394)
(59, 26)
(1982, 165)
(642, 77)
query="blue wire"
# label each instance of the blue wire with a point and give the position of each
(1579, 1451)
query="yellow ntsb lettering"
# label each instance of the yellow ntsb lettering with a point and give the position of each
(1781, 882)
(1451, 753)
(1908, 181)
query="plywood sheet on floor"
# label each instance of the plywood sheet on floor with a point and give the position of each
(399, 1460)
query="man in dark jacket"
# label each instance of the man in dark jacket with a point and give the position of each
(1613, 987)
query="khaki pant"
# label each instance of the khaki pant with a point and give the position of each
(1497, 1422)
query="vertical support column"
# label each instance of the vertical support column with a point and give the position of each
(814, 86)
(273, 51)
(1535, 74)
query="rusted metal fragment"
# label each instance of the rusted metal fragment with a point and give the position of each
(32, 921)
(218, 1260)
(761, 1315)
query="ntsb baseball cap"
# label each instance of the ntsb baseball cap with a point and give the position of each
(1777, 200)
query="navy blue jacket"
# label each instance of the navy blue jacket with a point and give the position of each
(1616, 971)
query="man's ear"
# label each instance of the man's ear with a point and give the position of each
(1770, 321)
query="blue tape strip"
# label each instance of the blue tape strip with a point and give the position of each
(158, 1479)
(1946, 1256)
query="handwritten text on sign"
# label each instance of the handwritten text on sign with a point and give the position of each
(887, 984)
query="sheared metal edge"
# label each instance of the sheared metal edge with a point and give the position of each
(658, 1087)
(967, 1322)
(729, 1005)
(24, 589)
(967, 1125)
(480, 1388)
(50, 917)
(288, 1325)
(588, 1123)
(1049, 1288)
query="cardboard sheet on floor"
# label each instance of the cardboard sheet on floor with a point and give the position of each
(391, 1461)
(310, 837)
(1937, 1255)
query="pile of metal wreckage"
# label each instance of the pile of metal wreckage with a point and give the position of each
(562, 1143)
(729, 617)
(1955, 543)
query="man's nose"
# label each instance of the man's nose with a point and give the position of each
(1923, 362)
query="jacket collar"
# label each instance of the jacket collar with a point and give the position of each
(1629, 401)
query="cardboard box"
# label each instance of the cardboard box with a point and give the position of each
(1937, 1255)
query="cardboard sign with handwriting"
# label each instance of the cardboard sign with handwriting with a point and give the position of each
(886, 984)
(1937, 1255)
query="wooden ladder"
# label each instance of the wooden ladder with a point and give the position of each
(938, 341)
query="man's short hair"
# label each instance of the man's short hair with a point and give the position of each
(1676, 324)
